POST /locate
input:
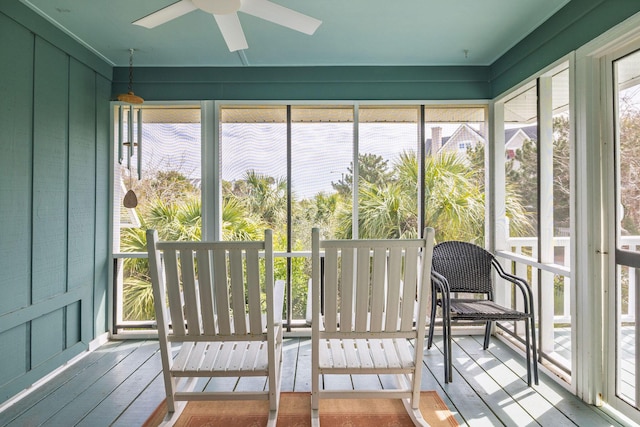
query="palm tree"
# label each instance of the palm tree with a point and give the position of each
(264, 196)
(454, 202)
(172, 221)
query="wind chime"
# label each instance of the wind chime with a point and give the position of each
(125, 148)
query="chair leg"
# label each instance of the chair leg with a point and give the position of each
(449, 349)
(534, 350)
(315, 418)
(273, 418)
(411, 404)
(432, 323)
(487, 335)
(315, 399)
(446, 337)
(527, 343)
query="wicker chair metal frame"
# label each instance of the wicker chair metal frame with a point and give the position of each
(460, 267)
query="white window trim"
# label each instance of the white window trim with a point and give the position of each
(594, 229)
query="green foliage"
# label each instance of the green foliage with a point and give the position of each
(372, 168)
(522, 180)
(387, 208)
(520, 221)
(454, 203)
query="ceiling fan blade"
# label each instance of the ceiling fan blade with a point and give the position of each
(280, 15)
(231, 29)
(166, 14)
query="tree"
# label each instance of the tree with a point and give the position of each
(629, 125)
(522, 176)
(169, 186)
(263, 196)
(520, 222)
(561, 173)
(372, 168)
(454, 202)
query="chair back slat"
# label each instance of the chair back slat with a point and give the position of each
(410, 287)
(466, 266)
(394, 282)
(362, 289)
(371, 285)
(215, 288)
(346, 288)
(191, 307)
(331, 289)
(378, 285)
(173, 291)
(220, 291)
(237, 292)
(253, 289)
(205, 288)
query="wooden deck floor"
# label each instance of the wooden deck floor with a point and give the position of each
(120, 384)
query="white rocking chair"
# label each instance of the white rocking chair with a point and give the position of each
(208, 298)
(371, 289)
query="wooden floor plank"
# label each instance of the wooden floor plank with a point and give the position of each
(143, 405)
(90, 361)
(289, 363)
(120, 384)
(515, 385)
(303, 367)
(79, 407)
(508, 411)
(471, 407)
(571, 406)
(60, 399)
(109, 409)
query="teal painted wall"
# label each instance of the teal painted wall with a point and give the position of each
(54, 198)
(579, 22)
(571, 27)
(306, 83)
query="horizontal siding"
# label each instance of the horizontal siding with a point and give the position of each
(306, 83)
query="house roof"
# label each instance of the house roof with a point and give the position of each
(530, 132)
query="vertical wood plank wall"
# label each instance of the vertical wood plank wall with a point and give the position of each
(54, 205)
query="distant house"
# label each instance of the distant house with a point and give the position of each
(514, 138)
(465, 137)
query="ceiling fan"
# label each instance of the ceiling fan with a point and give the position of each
(225, 14)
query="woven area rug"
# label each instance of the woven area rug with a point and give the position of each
(295, 409)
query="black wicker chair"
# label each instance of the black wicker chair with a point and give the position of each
(467, 268)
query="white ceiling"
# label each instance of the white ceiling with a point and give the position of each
(353, 32)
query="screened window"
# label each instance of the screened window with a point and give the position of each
(534, 212)
(157, 181)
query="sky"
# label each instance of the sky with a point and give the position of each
(321, 152)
